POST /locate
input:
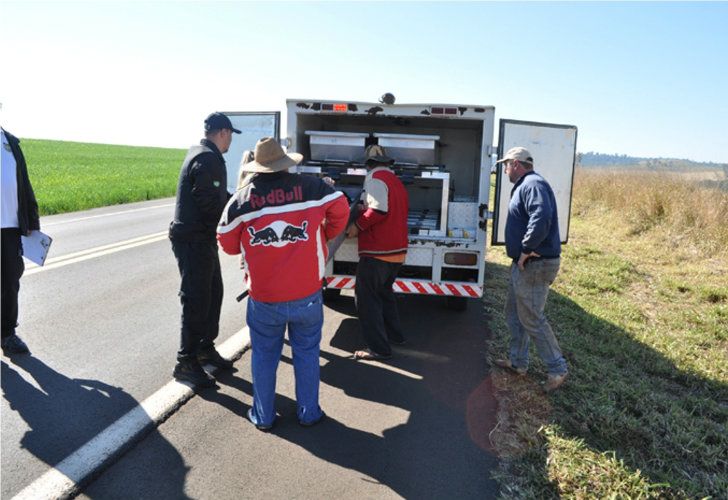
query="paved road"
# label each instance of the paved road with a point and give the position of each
(103, 332)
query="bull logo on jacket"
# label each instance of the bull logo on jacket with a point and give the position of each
(278, 234)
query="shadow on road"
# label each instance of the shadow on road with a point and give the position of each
(440, 378)
(63, 414)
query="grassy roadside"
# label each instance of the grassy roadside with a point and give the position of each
(641, 310)
(71, 176)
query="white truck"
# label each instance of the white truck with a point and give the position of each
(444, 155)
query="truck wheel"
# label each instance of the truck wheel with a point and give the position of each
(457, 303)
(331, 294)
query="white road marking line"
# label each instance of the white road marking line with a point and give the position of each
(68, 477)
(91, 253)
(386, 366)
(107, 215)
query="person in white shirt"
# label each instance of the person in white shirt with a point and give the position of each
(19, 217)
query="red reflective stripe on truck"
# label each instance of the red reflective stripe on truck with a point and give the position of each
(344, 282)
(406, 286)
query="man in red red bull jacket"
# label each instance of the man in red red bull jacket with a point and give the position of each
(382, 232)
(281, 222)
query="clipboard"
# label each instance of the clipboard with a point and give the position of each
(36, 246)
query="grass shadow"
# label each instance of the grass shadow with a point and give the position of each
(628, 418)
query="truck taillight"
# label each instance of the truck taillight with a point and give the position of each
(461, 259)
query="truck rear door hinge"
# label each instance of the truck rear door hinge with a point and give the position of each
(482, 209)
(484, 222)
(484, 215)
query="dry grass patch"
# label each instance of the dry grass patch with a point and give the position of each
(644, 327)
(689, 214)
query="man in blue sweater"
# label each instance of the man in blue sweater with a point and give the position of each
(534, 244)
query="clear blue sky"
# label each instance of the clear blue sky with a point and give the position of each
(643, 79)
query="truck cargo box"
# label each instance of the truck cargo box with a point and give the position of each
(444, 156)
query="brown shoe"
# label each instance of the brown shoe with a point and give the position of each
(506, 363)
(553, 382)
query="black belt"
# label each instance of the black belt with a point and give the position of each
(540, 257)
(544, 257)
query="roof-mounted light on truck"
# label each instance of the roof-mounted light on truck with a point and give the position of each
(336, 108)
(438, 110)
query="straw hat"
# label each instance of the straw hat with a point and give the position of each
(269, 157)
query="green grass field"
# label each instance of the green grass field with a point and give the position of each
(70, 176)
(641, 311)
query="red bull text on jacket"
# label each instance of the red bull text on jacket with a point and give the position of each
(281, 222)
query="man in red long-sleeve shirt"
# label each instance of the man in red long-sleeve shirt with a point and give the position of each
(382, 233)
(281, 222)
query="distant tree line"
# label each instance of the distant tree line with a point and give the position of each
(593, 159)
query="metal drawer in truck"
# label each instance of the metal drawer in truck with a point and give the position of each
(336, 146)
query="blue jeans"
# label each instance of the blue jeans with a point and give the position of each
(527, 292)
(267, 322)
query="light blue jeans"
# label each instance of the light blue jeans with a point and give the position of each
(267, 321)
(527, 292)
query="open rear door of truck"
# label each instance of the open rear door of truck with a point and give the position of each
(554, 153)
(254, 126)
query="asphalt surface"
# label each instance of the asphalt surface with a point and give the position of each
(104, 332)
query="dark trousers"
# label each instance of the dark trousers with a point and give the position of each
(12, 270)
(377, 304)
(200, 293)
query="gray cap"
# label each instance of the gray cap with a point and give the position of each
(518, 153)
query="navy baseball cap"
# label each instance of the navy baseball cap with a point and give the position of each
(218, 121)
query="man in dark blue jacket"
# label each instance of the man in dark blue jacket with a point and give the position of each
(19, 218)
(201, 197)
(534, 244)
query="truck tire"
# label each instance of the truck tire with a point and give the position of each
(331, 294)
(457, 303)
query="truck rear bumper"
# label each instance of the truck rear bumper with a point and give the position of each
(421, 287)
